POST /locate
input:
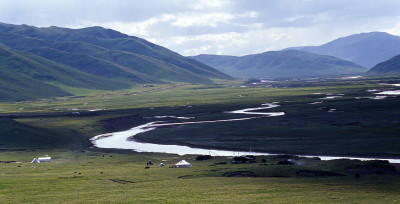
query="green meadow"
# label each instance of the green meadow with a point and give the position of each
(120, 177)
(352, 124)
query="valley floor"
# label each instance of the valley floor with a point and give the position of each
(331, 117)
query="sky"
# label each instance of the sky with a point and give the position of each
(223, 27)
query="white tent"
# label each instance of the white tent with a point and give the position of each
(35, 160)
(182, 164)
(44, 159)
(161, 165)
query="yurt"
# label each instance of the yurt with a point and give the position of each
(44, 159)
(182, 164)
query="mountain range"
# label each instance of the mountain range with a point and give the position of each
(33, 59)
(281, 64)
(365, 49)
(41, 62)
(346, 55)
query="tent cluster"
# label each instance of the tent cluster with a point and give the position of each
(41, 159)
(181, 164)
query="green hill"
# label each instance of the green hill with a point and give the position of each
(25, 76)
(94, 65)
(389, 67)
(93, 58)
(149, 62)
(17, 87)
(277, 64)
(113, 40)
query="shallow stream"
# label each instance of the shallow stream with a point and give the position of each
(125, 139)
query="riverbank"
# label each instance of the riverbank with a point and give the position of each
(336, 127)
(125, 140)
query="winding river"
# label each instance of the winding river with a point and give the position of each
(119, 140)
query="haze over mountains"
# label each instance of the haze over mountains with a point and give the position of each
(354, 54)
(281, 64)
(365, 49)
(35, 59)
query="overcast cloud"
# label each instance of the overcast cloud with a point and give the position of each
(228, 27)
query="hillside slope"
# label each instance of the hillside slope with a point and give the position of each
(149, 62)
(278, 64)
(366, 49)
(389, 67)
(14, 134)
(33, 59)
(25, 76)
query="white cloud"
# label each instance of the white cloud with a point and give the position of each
(205, 19)
(207, 4)
(395, 30)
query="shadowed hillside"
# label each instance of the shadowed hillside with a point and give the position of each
(389, 67)
(130, 52)
(35, 59)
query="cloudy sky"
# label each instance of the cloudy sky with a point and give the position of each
(228, 27)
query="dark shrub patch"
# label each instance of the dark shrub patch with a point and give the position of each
(285, 162)
(373, 167)
(311, 173)
(203, 157)
(240, 174)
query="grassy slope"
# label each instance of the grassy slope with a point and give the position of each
(15, 64)
(168, 65)
(16, 87)
(151, 67)
(389, 67)
(142, 47)
(95, 65)
(17, 135)
(109, 63)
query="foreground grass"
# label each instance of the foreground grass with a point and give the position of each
(120, 177)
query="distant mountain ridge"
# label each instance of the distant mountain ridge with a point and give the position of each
(281, 64)
(97, 58)
(366, 49)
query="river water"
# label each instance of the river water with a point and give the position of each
(125, 139)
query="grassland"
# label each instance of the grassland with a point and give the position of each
(120, 177)
(79, 174)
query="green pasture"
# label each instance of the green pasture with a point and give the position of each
(79, 174)
(120, 177)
